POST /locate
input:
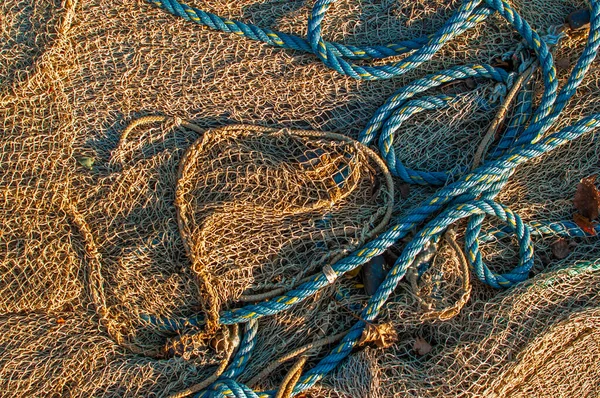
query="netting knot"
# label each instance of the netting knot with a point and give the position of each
(383, 335)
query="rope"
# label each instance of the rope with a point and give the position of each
(465, 194)
(453, 310)
(292, 42)
(275, 364)
(290, 380)
(233, 341)
(500, 116)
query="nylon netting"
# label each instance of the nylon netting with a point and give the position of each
(72, 77)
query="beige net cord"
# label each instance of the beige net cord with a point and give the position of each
(448, 312)
(231, 346)
(577, 335)
(114, 64)
(290, 380)
(69, 6)
(273, 365)
(66, 10)
(321, 197)
(95, 281)
(323, 170)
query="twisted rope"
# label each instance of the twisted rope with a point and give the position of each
(233, 341)
(465, 194)
(292, 42)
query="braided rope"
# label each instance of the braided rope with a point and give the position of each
(469, 196)
(291, 42)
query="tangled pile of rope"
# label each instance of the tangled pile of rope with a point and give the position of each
(465, 194)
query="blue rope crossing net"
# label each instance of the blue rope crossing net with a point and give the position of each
(463, 194)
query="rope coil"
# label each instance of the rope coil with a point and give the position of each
(464, 194)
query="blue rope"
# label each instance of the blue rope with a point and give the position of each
(464, 194)
(242, 356)
(565, 229)
(292, 42)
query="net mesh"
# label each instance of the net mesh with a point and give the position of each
(72, 76)
(507, 346)
(272, 207)
(27, 28)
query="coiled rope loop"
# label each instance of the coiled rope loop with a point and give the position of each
(420, 55)
(469, 196)
(399, 108)
(292, 42)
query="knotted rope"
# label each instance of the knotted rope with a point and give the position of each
(465, 194)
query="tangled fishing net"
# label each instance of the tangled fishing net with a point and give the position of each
(107, 226)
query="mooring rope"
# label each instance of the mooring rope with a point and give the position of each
(465, 194)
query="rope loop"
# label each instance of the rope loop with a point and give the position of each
(466, 194)
(419, 56)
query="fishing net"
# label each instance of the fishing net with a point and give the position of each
(256, 210)
(89, 363)
(272, 207)
(506, 346)
(91, 235)
(27, 29)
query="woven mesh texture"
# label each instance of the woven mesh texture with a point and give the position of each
(272, 207)
(541, 339)
(73, 75)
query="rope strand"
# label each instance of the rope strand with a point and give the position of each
(465, 194)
